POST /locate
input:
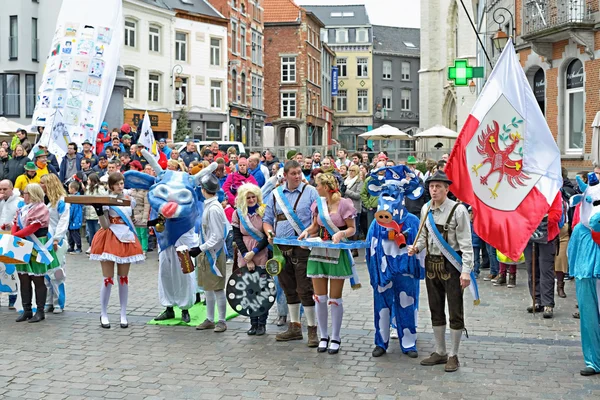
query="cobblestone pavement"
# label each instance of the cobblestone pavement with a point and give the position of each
(509, 354)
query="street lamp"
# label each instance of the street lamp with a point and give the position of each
(500, 38)
(472, 86)
(175, 78)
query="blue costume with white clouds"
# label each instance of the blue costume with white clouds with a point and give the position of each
(583, 255)
(394, 275)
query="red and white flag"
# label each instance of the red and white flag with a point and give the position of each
(505, 162)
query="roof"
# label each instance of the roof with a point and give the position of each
(394, 40)
(193, 6)
(281, 11)
(355, 15)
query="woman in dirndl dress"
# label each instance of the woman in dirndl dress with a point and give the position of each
(330, 267)
(31, 223)
(115, 243)
(252, 246)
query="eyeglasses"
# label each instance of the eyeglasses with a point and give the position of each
(25, 192)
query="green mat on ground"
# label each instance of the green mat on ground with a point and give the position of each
(197, 314)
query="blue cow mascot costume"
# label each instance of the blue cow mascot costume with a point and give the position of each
(583, 255)
(173, 198)
(394, 275)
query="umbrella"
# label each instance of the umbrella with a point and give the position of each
(596, 139)
(386, 132)
(438, 131)
(7, 125)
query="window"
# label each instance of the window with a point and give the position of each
(361, 67)
(130, 93)
(574, 105)
(153, 87)
(387, 69)
(257, 49)
(288, 105)
(406, 71)
(30, 95)
(386, 99)
(243, 84)
(154, 38)
(215, 52)
(243, 41)
(10, 95)
(405, 100)
(234, 93)
(257, 92)
(342, 71)
(341, 36)
(309, 66)
(342, 100)
(184, 90)
(215, 94)
(409, 45)
(243, 8)
(288, 69)
(13, 40)
(34, 40)
(130, 27)
(362, 105)
(324, 35)
(181, 46)
(234, 37)
(362, 35)
(213, 131)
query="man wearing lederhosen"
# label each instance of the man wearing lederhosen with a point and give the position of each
(447, 240)
(287, 215)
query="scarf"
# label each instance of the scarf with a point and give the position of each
(350, 181)
(252, 210)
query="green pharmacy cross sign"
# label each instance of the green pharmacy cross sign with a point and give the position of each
(461, 73)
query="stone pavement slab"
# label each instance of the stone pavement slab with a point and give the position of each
(509, 354)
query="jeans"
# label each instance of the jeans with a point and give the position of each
(477, 259)
(229, 244)
(92, 227)
(282, 307)
(494, 265)
(370, 217)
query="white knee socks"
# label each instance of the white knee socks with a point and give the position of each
(107, 284)
(337, 312)
(221, 304)
(439, 333)
(455, 335)
(123, 297)
(210, 305)
(321, 310)
(294, 312)
(311, 319)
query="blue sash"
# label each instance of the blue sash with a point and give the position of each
(327, 223)
(288, 210)
(212, 261)
(125, 218)
(250, 229)
(349, 245)
(174, 229)
(43, 256)
(453, 257)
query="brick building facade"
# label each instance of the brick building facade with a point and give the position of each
(293, 74)
(559, 50)
(245, 69)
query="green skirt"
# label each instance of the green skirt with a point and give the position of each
(341, 270)
(36, 268)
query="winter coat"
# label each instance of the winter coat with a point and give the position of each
(8, 208)
(141, 211)
(232, 184)
(53, 161)
(258, 175)
(75, 217)
(105, 138)
(16, 167)
(4, 168)
(63, 166)
(188, 157)
(368, 201)
(353, 193)
(90, 213)
(26, 145)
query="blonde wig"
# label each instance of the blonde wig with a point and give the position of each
(54, 189)
(329, 180)
(243, 191)
(36, 193)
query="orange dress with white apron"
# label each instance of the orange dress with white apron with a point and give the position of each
(119, 242)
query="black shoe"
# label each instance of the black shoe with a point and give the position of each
(261, 330)
(185, 316)
(548, 312)
(332, 351)
(412, 354)
(323, 349)
(124, 326)
(252, 331)
(198, 298)
(27, 315)
(538, 308)
(39, 316)
(588, 371)
(378, 351)
(105, 326)
(169, 313)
